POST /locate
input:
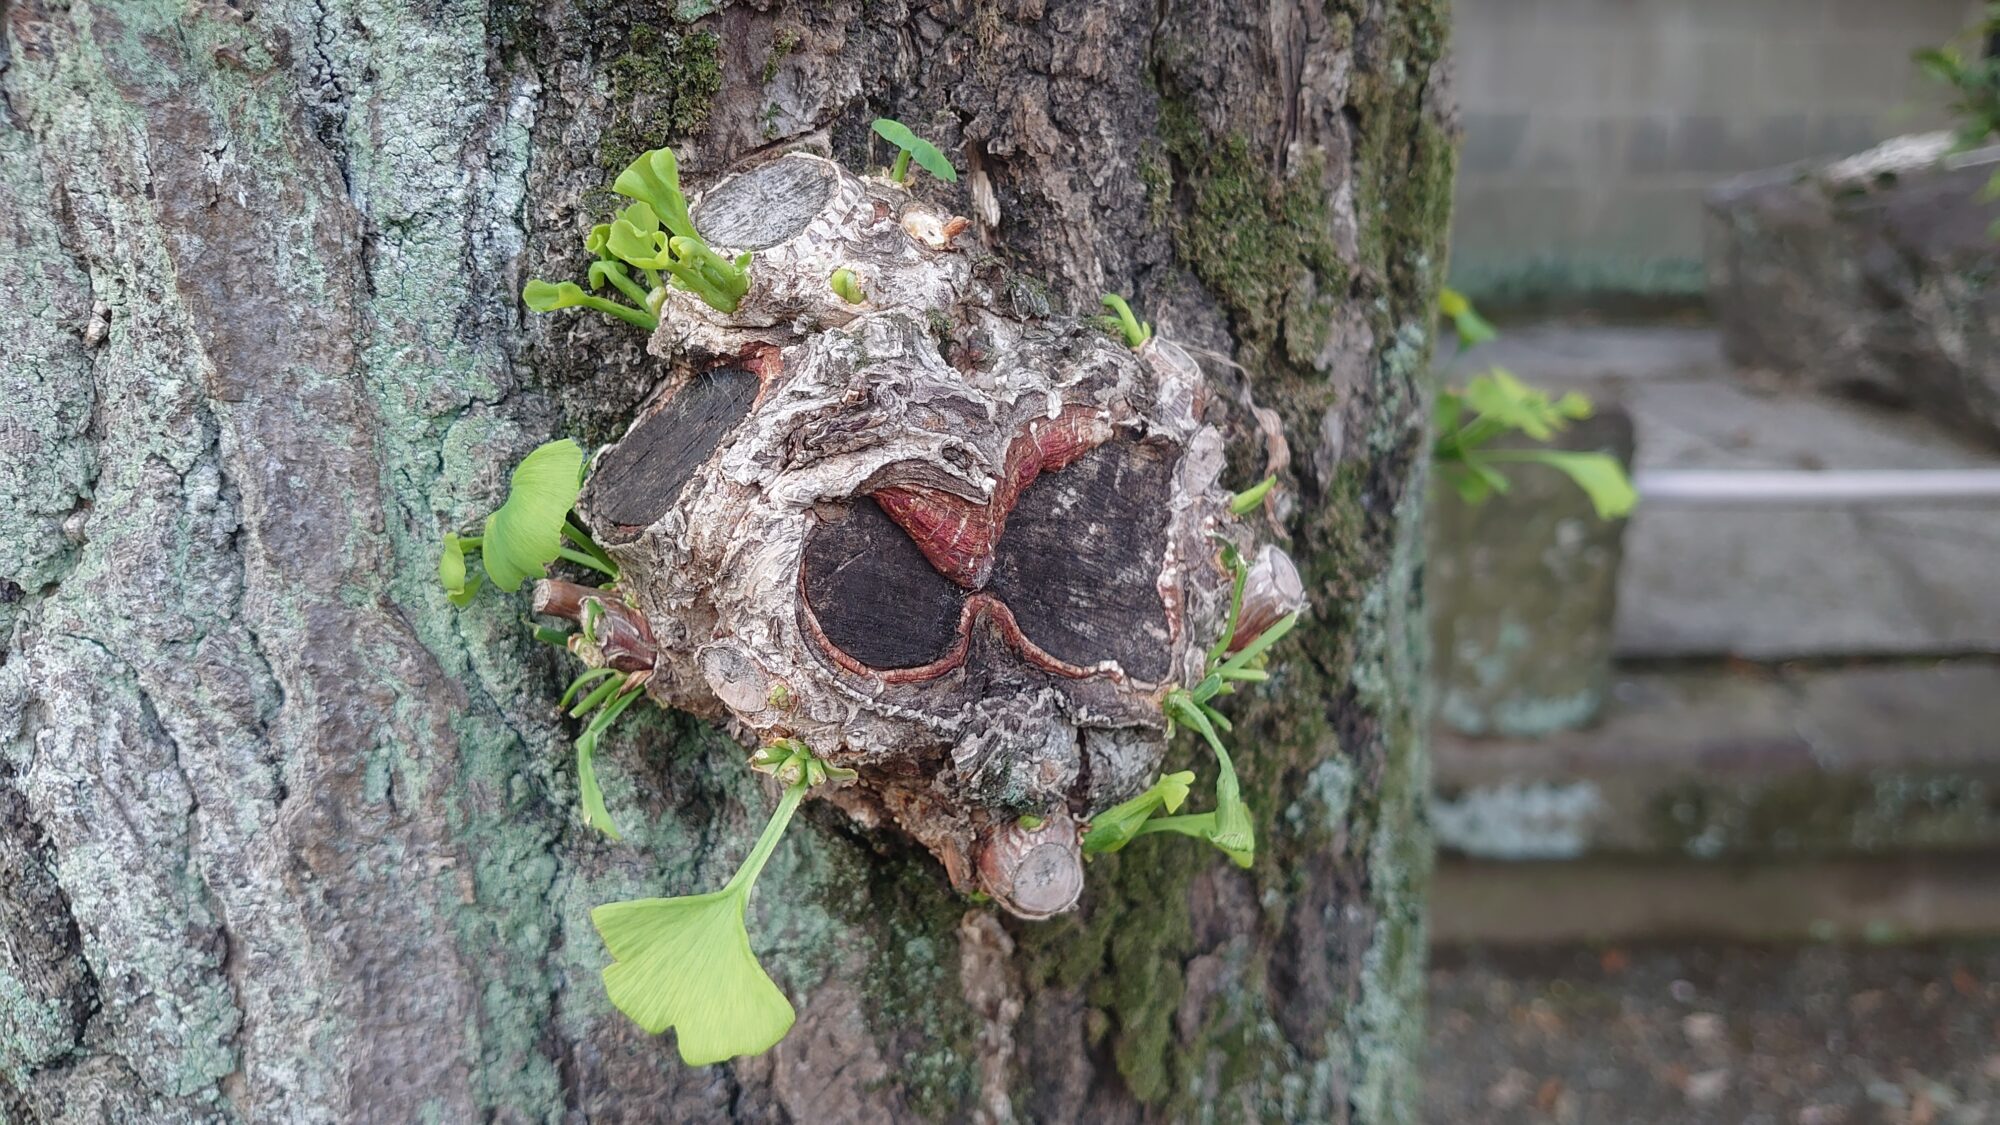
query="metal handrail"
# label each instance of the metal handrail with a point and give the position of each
(1806, 486)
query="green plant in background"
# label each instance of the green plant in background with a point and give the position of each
(1490, 405)
(1967, 65)
(909, 146)
(1121, 322)
(655, 237)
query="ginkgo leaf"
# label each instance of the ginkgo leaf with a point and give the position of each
(545, 296)
(1600, 476)
(655, 178)
(1472, 328)
(1500, 396)
(921, 150)
(451, 563)
(642, 248)
(1473, 479)
(525, 535)
(1250, 499)
(686, 962)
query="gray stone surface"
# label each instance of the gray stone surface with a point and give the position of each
(1742, 762)
(1788, 1035)
(1592, 128)
(1769, 582)
(1875, 898)
(1520, 595)
(1870, 274)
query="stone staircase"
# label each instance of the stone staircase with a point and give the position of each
(1801, 734)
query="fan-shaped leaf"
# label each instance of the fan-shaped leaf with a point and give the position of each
(686, 963)
(525, 535)
(921, 150)
(655, 178)
(1600, 476)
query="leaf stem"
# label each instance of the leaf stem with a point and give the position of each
(583, 560)
(627, 286)
(767, 843)
(589, 546)
(902, 167)
(596, 697)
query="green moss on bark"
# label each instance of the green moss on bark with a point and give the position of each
(1260, 240)
(661, 90)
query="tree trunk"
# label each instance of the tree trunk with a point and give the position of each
(285, 837)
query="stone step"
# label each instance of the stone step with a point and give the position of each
(1903, 899)
(1774, 581)
(1742, 763)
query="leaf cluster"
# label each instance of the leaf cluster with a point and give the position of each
(1228, 826)
(1468, 420)
(1971, 69)
(655, 239)
(1973, 75)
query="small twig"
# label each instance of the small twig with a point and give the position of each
(621, 632)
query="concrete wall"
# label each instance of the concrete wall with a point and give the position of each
(1593, 126)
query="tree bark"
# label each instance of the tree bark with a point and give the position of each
(285, 837)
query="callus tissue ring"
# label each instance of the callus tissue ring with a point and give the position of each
(962, 552)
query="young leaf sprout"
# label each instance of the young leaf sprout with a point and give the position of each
(847, 286)
(1231, 661)
(1123, 322)
(656, 237)
(913, 146)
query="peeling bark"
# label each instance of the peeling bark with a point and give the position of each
(286, 838)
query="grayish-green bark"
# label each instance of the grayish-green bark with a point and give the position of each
(283, 837)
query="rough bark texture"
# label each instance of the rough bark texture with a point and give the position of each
(285, 838)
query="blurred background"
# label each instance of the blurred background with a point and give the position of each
(1718, 783)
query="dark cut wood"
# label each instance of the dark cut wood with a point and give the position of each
(640, 478)
(876, 597)
(764, 206)
(1081, 557)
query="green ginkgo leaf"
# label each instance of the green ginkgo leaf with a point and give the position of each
(1472, 328)
(1250, 499)
(544, 296)
(460, 583)
(525, 535)
(686, 962)
(913, 146)
(642, 248)
(655, 179)
(1600, 476)
(451, 563)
